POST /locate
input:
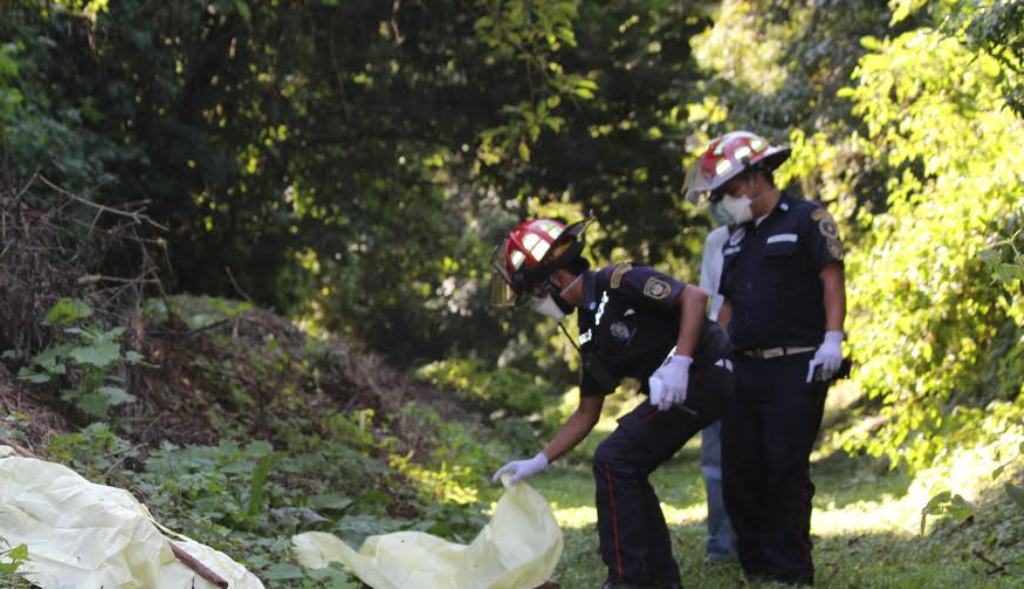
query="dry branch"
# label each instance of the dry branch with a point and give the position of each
(19, 450)
(54, 244)
(201, 569)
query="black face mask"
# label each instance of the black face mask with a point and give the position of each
(555, 291)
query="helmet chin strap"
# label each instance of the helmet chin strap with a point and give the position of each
(556, 295)
(565, 331)
(569, 286)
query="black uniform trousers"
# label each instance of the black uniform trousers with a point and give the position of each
(634, 539)
(767, 436)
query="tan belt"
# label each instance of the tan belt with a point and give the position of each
(768, 353)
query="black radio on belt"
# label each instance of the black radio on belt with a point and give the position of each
(844, 371)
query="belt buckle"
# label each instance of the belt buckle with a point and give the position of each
(773, 353)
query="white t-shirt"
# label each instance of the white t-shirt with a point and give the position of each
(711, 267)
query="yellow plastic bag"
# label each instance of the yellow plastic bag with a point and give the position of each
(517, 549)
(83, 535)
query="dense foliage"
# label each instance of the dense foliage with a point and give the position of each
(351, 164)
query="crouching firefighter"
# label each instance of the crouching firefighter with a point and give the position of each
(633, 322)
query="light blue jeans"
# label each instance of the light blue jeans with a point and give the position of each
(721, 541)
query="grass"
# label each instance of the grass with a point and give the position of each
(865, 525)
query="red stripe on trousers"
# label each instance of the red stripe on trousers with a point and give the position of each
(615, 520)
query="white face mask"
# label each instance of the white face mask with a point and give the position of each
(738, 207)
(718, 214)
(547, 307)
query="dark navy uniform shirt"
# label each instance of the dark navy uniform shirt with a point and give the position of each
(771, 275)
(629, 322)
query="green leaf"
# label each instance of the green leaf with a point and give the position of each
(243, 10)
(1016, 493)
(100, 355)
(67, 311)
(93, 403)
(330, 502)
(33, 377)
(338, 579)
(19, 552)
(258, 486)
(111, 335)
(935, 506)
(1007, 272)
(50, 359)
(524, 151)
(282, 571)
(960, 508)
(116, 395)
(584, 93)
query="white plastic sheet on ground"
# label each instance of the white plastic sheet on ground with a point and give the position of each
(85, 536)
(517, 549)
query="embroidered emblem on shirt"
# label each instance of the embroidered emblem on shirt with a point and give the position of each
(737, 236)
(657, 288)
(618, 273)
(782, 237)
(818, 214)
(620, 331)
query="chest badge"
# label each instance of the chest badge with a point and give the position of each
(620, 331)
(586, 336)
(737, 236)
(656, 288)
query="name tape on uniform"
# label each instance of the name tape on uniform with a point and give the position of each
(781, 237)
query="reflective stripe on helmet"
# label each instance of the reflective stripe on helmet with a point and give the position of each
(728, 156)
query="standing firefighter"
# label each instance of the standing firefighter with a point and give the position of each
(633, 322)
(782, 279)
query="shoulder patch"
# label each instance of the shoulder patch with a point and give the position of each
(828, 228)
(835, 249)
(618, 273)
(656, 288)
(826, 224)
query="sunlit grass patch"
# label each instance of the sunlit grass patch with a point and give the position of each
(865, 524)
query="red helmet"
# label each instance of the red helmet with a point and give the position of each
(729, 155)
(530, 253)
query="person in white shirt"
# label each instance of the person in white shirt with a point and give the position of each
(720, 544)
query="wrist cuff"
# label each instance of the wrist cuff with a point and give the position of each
(834, 335)
(542, 457)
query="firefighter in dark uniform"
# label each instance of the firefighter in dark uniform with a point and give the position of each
(785, 303)
(634, 322)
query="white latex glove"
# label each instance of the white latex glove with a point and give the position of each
(829, 356)
(658, 392)
(521, 469)
(670, 382)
